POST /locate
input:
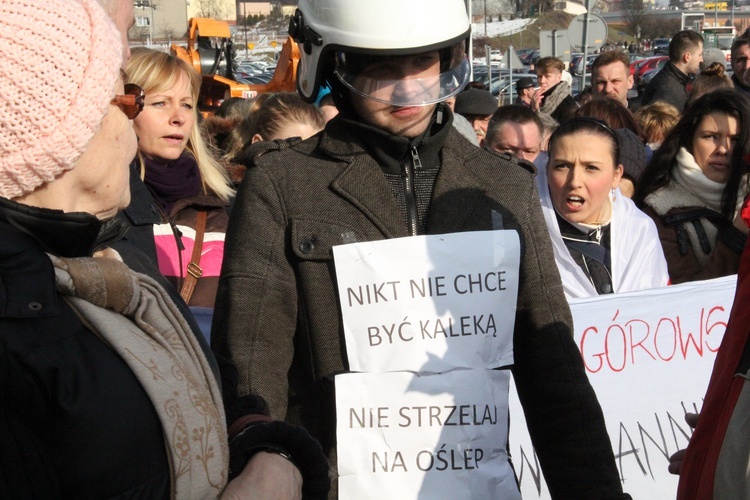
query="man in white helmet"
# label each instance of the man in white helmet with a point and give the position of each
(391, 165)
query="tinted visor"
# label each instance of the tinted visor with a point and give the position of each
(418, 90)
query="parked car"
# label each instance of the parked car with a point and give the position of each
(522, 53)
(635, 64)
(574, 58)
(480, 72)
(643, 83)
(530, 57)
(646, 78)
(649, 64)
(661, 46)
(506, 88)
(254, 79)
(579, 65)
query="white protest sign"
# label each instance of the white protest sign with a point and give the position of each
(649, 357)
(433, 436)
(429, 303)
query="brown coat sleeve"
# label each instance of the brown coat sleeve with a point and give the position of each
(723, 261)
(256, 305)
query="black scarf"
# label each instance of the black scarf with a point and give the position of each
(173, 181)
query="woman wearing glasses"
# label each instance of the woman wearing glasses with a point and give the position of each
(695, 184)
(191, 188)
(105, 389)
(602, 242)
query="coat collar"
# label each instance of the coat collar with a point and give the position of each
(679, 75)
(26, 235)
(363, 184)
(65, 234)
(27, 279)
(458, 192)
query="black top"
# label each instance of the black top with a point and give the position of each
(591, 251)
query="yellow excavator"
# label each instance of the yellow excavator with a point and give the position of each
(209, 51)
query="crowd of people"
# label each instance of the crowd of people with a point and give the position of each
(169, 316)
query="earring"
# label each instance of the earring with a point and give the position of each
(614, 195)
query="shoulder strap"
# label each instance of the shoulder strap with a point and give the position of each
(592, 250)
(194, 271)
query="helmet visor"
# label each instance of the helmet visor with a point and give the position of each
(418, 90)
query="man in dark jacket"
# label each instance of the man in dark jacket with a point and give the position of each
(685, 57)
(390, 165)
(610, 75)
(740, 64)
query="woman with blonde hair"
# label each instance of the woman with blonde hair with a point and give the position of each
(285, 115)
(657, 120)
(191, 187)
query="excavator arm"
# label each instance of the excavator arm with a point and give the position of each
(209, 41)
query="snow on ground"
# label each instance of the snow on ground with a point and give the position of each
(498, 28)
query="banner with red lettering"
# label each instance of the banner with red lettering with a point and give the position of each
(649, 357)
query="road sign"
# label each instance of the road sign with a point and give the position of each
(554, 43)
(596, 36)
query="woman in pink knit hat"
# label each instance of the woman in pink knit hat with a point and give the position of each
(105, 389)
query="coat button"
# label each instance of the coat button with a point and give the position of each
(35, 306)
(606, 288)
(306, 246)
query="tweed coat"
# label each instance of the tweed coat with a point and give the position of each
(277, 311)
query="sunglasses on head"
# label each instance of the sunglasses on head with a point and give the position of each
(132, 102)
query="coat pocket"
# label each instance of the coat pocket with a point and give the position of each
(313, 240)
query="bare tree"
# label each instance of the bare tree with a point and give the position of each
(168, 33)
(634, 14)
(654, 27)
(214, 9)
(492, 9)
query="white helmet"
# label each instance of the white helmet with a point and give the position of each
(329, 30)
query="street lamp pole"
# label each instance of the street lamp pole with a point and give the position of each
(244, 14)
(471, 43)
(716, 12)
(638, 38)
(151, 25)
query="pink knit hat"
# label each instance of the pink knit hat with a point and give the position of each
(59, 63)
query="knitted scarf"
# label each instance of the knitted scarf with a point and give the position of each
(136, 317)
(557, 94)
(173, 181)
(689, 175)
